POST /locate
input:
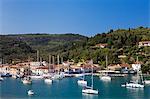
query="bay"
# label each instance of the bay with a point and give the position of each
(68, 88)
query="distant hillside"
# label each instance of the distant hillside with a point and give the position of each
(45, 43)
(12, 49)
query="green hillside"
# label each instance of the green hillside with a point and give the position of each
(79, 48)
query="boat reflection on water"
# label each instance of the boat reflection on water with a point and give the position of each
(89, 96)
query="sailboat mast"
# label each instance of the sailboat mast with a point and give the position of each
(62, 60)
(58, 62)
(37, 56)
(83, 72)
(92, 74)
(49, 63)
(106, 61)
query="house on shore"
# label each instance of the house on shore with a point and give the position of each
(144, 43)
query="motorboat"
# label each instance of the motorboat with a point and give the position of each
(30, 92)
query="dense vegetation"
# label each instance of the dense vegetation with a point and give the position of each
(79, 48)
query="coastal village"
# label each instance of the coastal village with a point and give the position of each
(69, 67)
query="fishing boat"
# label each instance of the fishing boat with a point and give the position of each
(30, 92)
(90, 89)
(105, 77)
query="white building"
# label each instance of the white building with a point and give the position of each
(136, 67)
(144, 43)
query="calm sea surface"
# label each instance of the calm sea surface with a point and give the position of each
(68, 88)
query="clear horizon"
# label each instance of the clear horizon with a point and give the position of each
(67, 16)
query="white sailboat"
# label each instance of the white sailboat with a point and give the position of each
(105, 77)
(90, 89)
(48, 80)
(27, 80)
(138, 83)
(134, 84)
(58, 75)
(82, 81)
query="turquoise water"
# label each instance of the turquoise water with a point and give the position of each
(68, 88)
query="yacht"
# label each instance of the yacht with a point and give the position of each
(90, 89)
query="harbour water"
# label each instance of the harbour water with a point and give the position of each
(68, 88)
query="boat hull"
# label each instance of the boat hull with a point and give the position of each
(105, 78)
(30, 92)
(48, 81)
(90, 91)
(26, 81)
(133, 85)
(147, 81)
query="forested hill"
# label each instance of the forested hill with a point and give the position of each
(122, 37)
(25, 45)
(78, 47)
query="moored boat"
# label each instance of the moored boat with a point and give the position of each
(88, 89)
(1, 79)
(27, 80)
(147, 81)
(30, 92)
(48, 80)
(105, 78)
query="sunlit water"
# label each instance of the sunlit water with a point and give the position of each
(68, 88)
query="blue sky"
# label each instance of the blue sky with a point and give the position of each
(86, 17)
